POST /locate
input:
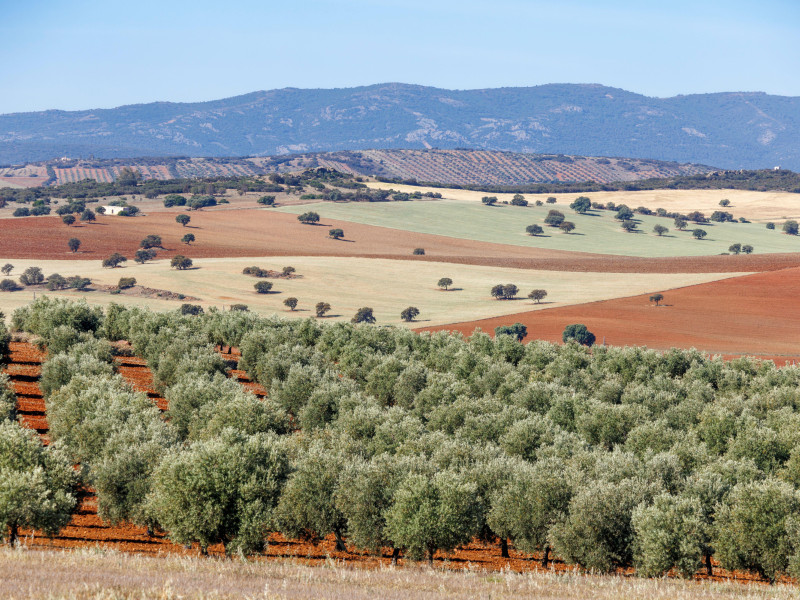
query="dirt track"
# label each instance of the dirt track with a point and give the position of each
(260, 232)
(754, 314)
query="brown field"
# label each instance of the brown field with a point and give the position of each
(755, 314)
(261, 232)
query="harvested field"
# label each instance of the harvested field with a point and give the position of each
(757, 206)
(262, 232)
(757, 315)
(88, 574)
(388, 286)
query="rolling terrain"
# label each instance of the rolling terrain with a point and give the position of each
(728, 130)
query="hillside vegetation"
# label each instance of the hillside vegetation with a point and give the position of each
(728, 130)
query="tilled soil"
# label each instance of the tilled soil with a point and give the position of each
(258, 232)
(754, 315)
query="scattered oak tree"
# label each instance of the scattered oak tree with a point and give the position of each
(538, 295)
(534, 230)
(699, 234)
(578, 333)
(660, 230)
(183, 219)
(656, 298)
(581, 204)
(518, 331)
(263, 287)
(363, 315)
(188, 238)
(68, 220)
(291, 303)
(321, 308)
(74, 244)
(336, 234)
(445, 282)
(180, 262)
(409, 314)
(567, 226)
(308, 218)
(554, 218)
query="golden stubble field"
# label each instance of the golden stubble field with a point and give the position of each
(754, 206)
(387, 286)
(100, 574)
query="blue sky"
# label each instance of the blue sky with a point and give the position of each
(82, 54)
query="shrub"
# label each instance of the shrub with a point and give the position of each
(151, 241)
(770, 225)
(551, 200)
(263, 287)
(578, 333)
(142, 256)
(266, 200)
(191, 309)
(554, 218)
(181, 263)
(8, 285)
(126, 282)
(22, 211)
(31, 276)
(174, 200)
(239, 307)
(518, 331)
(418, 251)
(255, 272)
(534, 230)
(363, 315)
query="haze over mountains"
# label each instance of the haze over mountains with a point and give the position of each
(728, 130)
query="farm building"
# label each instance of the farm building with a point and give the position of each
(113, 210)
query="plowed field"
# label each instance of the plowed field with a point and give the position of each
(754, 314)
(260, 232)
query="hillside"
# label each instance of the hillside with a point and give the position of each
(460, 167)
(728, 130)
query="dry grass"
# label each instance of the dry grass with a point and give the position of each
(83, 574)
(388, 286)
(755, 206)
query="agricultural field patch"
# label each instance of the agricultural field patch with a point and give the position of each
(750, 315)
(595, 232)
(387, 286)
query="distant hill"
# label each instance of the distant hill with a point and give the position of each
(729, 130)
(460, 167)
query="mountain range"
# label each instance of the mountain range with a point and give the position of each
(729, 130)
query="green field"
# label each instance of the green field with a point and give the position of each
(596, 232)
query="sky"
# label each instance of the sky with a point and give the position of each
(86, 54)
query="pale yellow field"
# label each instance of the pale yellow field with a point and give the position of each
(754, 206)
(349, 283)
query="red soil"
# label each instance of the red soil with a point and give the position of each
(231, 232)
(756, 315)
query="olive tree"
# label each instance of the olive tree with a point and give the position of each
(36, 483)
(670, 533)
(534, 499)
(430, 513)
(750, 532)
(222, 490)
(307, 507)
(597, 534)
